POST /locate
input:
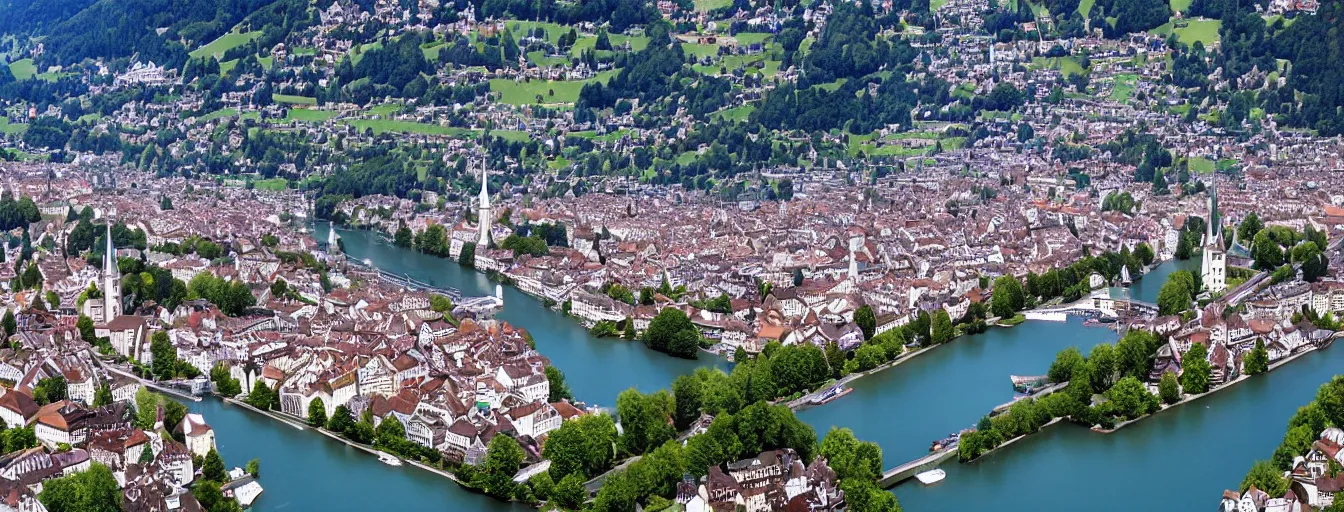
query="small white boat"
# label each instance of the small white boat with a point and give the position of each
(389, 459)
(931, 477)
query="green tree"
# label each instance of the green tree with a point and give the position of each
(93, 490)
(569, 493)
(1168, 389)
(213, 468)
(1257, 360)
(644, 420)
(1103, 362)
(1132, 352)
(1129, 399)
(165, 356)
(559, 389)
(467, 257)
(103, 396)
(1196, 370)
(1144, 253)
(341, 421)
(317, 413)
(403, 237)
(1174, 296)
(687, 392)
(1007, 297)
(10, 325)
(225, 385)
(253, 468)
(671, 331)
(1267, 252)
(866, 320)
(941, 329)
(851, 458)
(581, 446)
(260, 397)
(1066, 361)
(502, 459)
(1250, 226)
(86, 329)
(1264, 476)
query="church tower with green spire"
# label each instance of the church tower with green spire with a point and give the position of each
(1213, 267)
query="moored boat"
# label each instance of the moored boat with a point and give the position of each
(931, 477)
(1027, 384)
(830, 395)
(389, 459)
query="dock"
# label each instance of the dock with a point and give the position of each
(1043, 392)
(906, 471)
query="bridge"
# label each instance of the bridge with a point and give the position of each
(406, 281)
(903, 472)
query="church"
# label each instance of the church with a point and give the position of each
(1213, 268)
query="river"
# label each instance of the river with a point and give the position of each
(1197, 449)
(305, 470)
(596, 369)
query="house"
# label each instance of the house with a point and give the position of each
(16, 408)
(199, 436)
(535, 419)
(62, 422)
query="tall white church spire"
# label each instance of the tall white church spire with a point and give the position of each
(483, 216)
(111, 280)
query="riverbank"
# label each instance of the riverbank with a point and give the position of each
(332, 435)
(1228, 385)
(1014, 440)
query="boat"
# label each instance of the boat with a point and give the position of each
(931, 476)
(945, 443)
(829, 395)
(1027, 384)
(389, 459)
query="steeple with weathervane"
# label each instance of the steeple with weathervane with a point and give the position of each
(111, 280)
(483, 217)
(1213, 266)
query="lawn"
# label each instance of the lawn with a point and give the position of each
(1201, 165)
(735, 114)
(751, 37)
(393, 126)
(700, 50)
(225, 43)
(1181, 5)
(22, 69)
(525, 93)
(273, 184)
(384, 110)
(1204, 31)
(1085, 7)
(1124, 87)
(296, 100)
(309, 115)
(223, 112)
(709, 5)
(512, 135)
(11, 129)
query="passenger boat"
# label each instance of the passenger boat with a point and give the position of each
(389, 459)
(931, 477)
(831, 394)
(1027, 384)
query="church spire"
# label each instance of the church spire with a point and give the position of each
(109, 253)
